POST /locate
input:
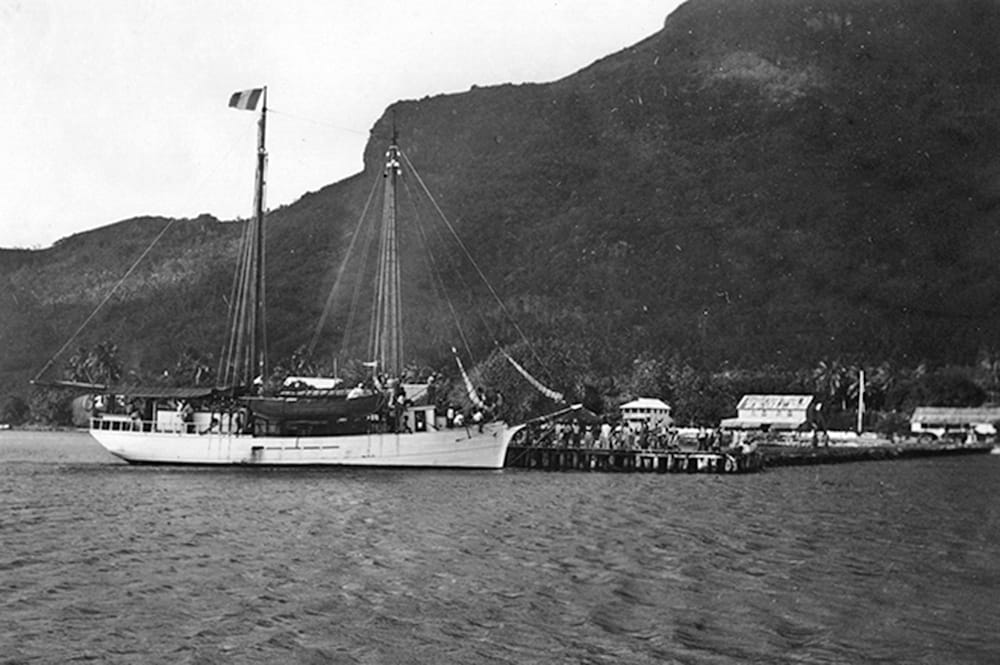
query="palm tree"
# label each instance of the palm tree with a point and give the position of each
(830, 381)
(99, 365)
(193, 368)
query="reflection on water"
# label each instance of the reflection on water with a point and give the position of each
(890, 562)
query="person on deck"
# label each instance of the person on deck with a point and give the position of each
(135, 413)
(186, 412)
(214, 426)
(605, 437)
(399, 410)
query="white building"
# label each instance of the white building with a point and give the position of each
(653, 412)
(958, 423)
(771, 412)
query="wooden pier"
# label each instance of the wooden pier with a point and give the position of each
(545, 458)
(631, 461)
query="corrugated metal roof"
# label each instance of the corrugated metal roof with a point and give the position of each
(775, 402)
(955, 415)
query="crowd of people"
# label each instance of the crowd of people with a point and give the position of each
(622, 436)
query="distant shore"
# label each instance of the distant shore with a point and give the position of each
(777, 455)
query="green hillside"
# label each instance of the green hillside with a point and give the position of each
(760, 184)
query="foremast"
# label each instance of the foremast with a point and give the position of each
(386, 338)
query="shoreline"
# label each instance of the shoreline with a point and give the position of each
(777, 456)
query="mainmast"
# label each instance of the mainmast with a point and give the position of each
(387, 337)
(244, 358)
(259, 347)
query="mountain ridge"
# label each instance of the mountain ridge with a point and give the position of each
(759, 183)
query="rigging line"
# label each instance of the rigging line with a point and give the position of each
(262, 313)
(226, 359)
(243, 312)
(385, 332)
(366, 254)
(328, 307)
(482, 276)
(437, 283)
(318, 122)
(397, 328)
(106, 298)
(236, 364)
(378, 294)
(435, 273)
(468, 289)
(376, 309)
(197, 188)
(244, 316)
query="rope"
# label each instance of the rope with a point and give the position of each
(548, 392)
(223, 160)
(225, 358)
(469, 388)
(437, 280)
(233, 294)
(475, 265)
(356, 295)
(121, 281)
(318, 122)
(262, 311)
(328, 306)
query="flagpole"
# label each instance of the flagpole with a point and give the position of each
(861, 400)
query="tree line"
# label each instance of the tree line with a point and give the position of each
(698, 395)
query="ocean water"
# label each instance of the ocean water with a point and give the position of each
(880, 562)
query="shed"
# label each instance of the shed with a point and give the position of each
(771, 412)
(937, 421)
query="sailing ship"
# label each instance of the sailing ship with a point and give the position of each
(383, 422)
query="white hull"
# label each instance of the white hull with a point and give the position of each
(453, 448)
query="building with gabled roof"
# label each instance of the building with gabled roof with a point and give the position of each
(954, 421)
(646, 410)
(772, 412)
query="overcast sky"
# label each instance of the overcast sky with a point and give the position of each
(111, 109)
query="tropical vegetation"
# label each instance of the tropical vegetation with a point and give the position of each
(763, 196)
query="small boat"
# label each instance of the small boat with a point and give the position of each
(385, 422)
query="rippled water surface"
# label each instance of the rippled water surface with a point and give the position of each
(880, 562)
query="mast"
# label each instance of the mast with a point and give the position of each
(387, 339)
(244, 357)
(258, 347)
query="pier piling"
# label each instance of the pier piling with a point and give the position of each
(631, 461)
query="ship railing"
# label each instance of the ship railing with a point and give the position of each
(116, 423)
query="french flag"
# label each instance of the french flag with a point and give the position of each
(246, 100)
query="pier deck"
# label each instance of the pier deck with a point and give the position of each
(544, 458)
(648, 461)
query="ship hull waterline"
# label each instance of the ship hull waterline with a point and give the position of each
(447, 448)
